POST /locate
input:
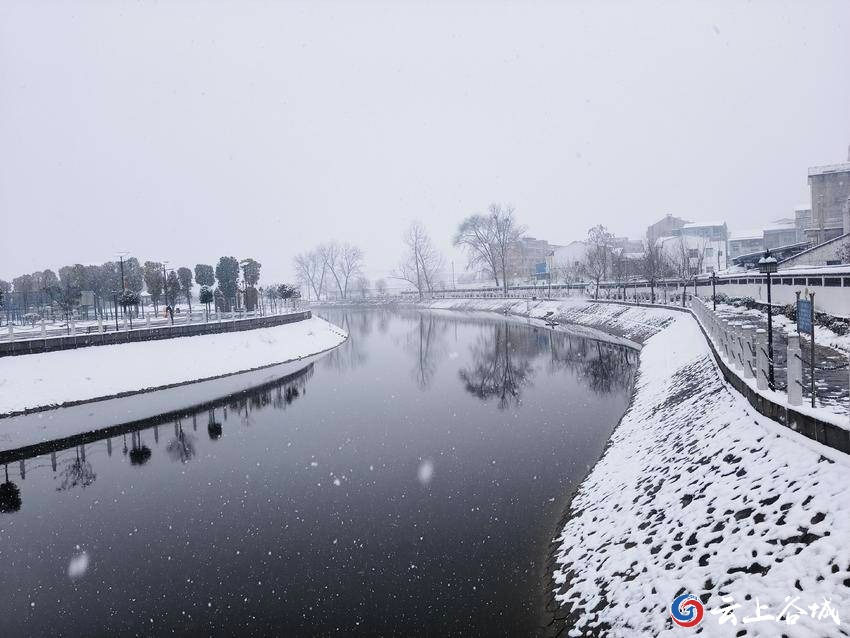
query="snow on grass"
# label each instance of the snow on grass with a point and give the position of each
(697, 493)
(50, 379)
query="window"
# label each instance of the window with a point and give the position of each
(832, 281)
(786, 281)
(815, 281)
(799, 281)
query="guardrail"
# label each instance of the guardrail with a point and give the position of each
(146, 333)
(741, 350)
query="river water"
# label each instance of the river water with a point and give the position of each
(407, 483)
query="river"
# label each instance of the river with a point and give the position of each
(409, 482)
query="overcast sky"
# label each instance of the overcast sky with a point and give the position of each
(188, 130)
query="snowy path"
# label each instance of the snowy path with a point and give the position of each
(36, 381)
(699, 494)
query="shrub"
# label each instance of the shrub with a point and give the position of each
(790, 311)
(839, 327)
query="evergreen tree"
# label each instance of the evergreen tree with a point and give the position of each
(153, 282)
(227, 274)
(204, 275)
(184, 275)
(172, 288)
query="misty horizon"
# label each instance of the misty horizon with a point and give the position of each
(185, 133)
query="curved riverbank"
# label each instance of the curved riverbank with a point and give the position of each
(71, 377)
(695, 493)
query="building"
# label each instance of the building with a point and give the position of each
(802, 220)
(664, 227)
(571, 256)
(745, 242)
(627, 245)
(708, 242)
(830, 188)
(780, 232)
(526, 256)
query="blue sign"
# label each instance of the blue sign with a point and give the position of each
(804, 315)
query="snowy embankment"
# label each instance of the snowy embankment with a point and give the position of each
(635, 323)
(696, 493)
(39, 381)
(699, 494)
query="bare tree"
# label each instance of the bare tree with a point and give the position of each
(311, 268)
(506, 234)
(620, 268)
(653, 265)
(350, 266)
(421, 262)
(687, 261)
(477, 236)
(329, 254)
(597, 257)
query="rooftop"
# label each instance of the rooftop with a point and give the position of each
(831, 168)
(745, 234)
(703, 224)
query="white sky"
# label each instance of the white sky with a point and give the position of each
(188, 130)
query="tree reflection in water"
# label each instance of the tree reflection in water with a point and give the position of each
(426, 343)
(502, 362)
(182, 446)
(604, 367)
(78, 472)
(139, 453)
(10, 495)
(352, 354)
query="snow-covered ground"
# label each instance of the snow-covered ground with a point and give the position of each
(37, 381)
(697, 493)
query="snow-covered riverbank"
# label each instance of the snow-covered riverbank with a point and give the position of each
(635, 323)
(697, 493)
(32, 382)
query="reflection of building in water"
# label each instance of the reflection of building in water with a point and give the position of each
(502, 362)
(69, 458)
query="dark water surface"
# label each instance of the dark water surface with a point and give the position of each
(408, 483)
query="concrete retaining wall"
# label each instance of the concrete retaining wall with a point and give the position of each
(35, 346)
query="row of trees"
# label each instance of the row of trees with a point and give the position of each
(121, 283)
(604, 261)
(331, 269)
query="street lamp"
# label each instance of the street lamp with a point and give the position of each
(768, 266)
(165, 289)
(714, 290)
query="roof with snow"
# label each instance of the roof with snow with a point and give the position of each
(703, 224)
(831, 168)
(745, 234)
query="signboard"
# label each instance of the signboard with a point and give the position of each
(541, 270)
(804, 316)
(87, 298)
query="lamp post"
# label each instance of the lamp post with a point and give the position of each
(714, 290)
(165, 289)
(768, 266)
